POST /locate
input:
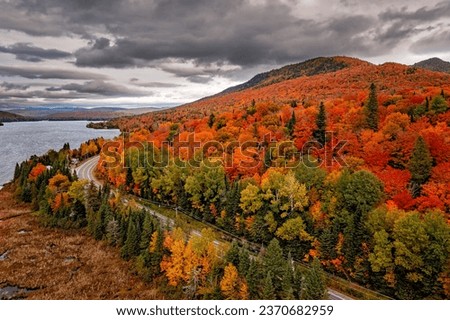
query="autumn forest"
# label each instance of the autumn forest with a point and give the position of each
(332, 166)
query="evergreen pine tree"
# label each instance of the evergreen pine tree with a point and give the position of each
(211, 120)
(287, 291)
(147, 231)
(79, 211)
(314, 286)
(275, 264)
(112, 231)
(253, 278)
(321, 123)
(372, 109)
(123, 228)
(244, 261)
(93, 199)
(420, 164)
(268, 290)
(427, 104)
(297, 283)
(290, 126)
(131, 246)
(232, 255)
(16, 172)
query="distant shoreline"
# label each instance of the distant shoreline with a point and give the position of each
(38, 120)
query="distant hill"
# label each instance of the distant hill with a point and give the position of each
(434, 64)
(308, 68)
(10, 117)
(73, 113)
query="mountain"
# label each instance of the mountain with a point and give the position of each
(307, 68)
(10, 117)
(306, 83)
(434, 64)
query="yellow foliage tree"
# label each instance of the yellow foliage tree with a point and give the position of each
(59, 183)
(232, 285)
(173, 265)
(229, 284)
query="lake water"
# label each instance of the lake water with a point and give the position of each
(20, 140)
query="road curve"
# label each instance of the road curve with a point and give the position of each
(86, 171)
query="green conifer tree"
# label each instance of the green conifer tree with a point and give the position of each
(321, 123)
(290, 126)
(268, 290)
(420, 164)
(314, 286)
(372, 109)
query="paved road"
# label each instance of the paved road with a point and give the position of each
(334, 295)
(86, 171)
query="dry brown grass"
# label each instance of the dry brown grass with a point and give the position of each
(61, 264)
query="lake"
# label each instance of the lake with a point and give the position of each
(20, 140)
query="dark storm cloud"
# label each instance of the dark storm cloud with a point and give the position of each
(28, 52)
(235, 32)
(102, 54)
(211, 35)
(100, 87)
(48, 73)
(403, 23)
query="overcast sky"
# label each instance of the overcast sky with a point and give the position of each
(153, 53)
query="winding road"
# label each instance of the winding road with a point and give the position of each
(86, 170)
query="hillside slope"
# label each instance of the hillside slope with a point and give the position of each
(349, 83)
(434, 64)
(307, 68)
(10, 117)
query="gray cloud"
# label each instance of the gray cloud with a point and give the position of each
(436, 42)
(154, 84)
(40, 94)
(424, 14)
(28, 52)
(49, 73)
(100, 87)
(13, 86)
(237, 32)
(102, 54)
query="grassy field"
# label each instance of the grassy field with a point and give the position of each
(61, 264)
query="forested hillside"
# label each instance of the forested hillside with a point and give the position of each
(348, 170)
(369, 195)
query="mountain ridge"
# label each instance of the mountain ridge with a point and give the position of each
(343, 83)
(310, 67)
(434, 64)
